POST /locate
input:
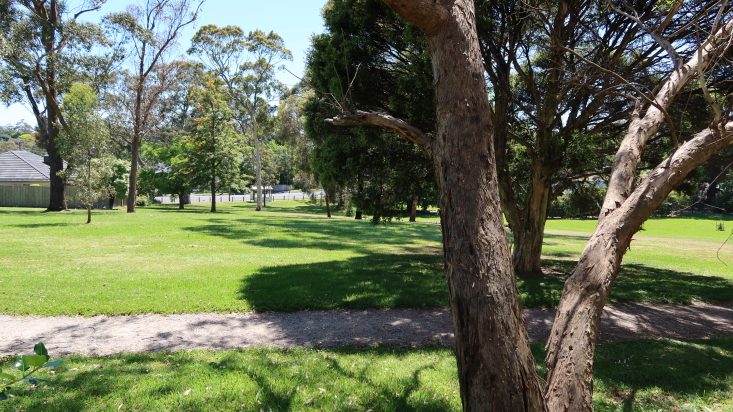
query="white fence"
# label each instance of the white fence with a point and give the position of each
(241, 198)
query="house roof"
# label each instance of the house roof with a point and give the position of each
(23, 166)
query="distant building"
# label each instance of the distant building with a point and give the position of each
(19, 167)
(24, 179)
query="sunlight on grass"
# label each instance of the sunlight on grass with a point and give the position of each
(636, 376)
(290, 257)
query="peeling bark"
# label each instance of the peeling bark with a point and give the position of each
(495, 365)
(572, 342)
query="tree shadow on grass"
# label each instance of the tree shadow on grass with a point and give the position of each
(39, 225)
(198, 209)
(681, 369)
(635, 283)
(324, 234)
(372, 281)
(255, 379)
(629, 374)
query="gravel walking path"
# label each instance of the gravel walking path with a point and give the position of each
(104, 335)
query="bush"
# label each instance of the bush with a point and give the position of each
(675, 202)
(142, 200)
(582, 201)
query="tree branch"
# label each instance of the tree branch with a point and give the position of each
(642, 128)
(388, 122)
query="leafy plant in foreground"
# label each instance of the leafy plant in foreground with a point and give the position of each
(27, 365)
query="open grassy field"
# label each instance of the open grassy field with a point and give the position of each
(634, 376)
(291, 257)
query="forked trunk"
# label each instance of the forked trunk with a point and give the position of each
(572, 342)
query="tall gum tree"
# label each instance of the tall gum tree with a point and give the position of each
(150, 30)
(43, 48)
(247, 65)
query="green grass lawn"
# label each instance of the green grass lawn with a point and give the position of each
(290, 257)
(634, 376)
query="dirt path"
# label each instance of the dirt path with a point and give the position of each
(104, 335)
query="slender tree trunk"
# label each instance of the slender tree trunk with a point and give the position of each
(136, 141)
(89, 214)
(529, 235)
(213, 195)
(413, 209)
(495, 365)
(258, 162)
(328, 207)
(181, 200)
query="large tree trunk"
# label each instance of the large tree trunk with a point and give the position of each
(496, 369)
(57, 201)
(328, 207)
(181, 200)
(495, 366)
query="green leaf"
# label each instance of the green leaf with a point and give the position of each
(35, 361)
(21, 365)
(6, 377)
(40, 349)
(53, 364)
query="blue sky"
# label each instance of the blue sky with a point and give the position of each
(294, 20)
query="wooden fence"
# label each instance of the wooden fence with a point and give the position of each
(38, 196)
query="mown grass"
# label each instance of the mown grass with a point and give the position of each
(633, 376)
(290, 257)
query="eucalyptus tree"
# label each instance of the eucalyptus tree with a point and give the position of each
(247, 64)
(44, 47)
(150, 30)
